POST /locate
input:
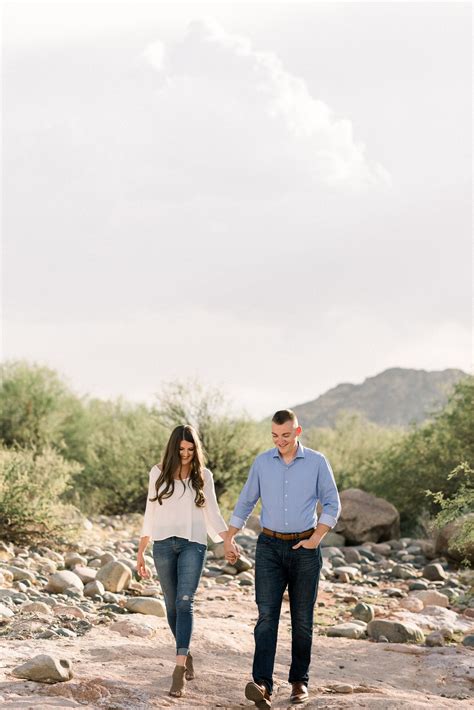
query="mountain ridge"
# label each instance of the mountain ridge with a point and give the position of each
(396, 396)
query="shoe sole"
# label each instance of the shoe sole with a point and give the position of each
(252, 692)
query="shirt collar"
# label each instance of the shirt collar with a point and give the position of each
(299, 452)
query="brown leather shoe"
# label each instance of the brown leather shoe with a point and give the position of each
(259, 694)
(299, 693)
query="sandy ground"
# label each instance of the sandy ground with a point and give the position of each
(130, 673)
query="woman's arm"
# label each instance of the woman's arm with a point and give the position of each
(142, 569)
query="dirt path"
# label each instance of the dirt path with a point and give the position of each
(130, 673)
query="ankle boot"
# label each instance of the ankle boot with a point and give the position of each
(178, 682)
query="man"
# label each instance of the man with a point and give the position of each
(289, 479)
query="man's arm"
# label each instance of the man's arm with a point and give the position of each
(326, 493)
(246, 503)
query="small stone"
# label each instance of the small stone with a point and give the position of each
(60, 581)
(94, 588)
(468, 641)
(71, 559)
(343, 688)
(351, 555)
(64, 610)
(417, 584)
(35, 607)
(85, 574)
(403, 572)
(363, 612)
(143, 626)
(434, 572)
(436, 638)
(5, 612)
(347, 630)
(45, 669)
(146, 605)
(412, 603)
(395, 631)
(115, 576)
(431, 597)
(224, 578)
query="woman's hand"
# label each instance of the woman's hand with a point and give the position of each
(142, 569)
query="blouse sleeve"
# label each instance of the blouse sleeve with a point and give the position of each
(150, 510)
(215, 523)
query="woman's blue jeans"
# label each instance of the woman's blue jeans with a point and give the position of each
(278, 566)
(179, 565)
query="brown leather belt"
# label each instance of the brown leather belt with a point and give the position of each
(288, 536)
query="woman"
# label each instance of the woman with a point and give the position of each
(181, 510)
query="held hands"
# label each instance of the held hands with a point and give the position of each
(231, 550)
(142, 569)
(309, 543)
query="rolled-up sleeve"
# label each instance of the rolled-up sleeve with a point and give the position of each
(151, 506)
(327, 494)
(215, 523)
(247, 499)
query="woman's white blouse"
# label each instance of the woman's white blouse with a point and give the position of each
(179, 515)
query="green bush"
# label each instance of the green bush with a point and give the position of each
(351, 447)
(230, 442)
(457, 508)
(125, 441)
(31, 487)
(425, 456)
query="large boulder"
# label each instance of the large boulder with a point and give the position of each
(444, 538)
(395, 631)
(366, 518)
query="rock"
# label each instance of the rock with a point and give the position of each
(19, 573)
(45, 669)
(435, 638)
(431, 597)
(93, 588)
(64, 610)
(223, 578)
(347, 630)
(417, 584)
(35, 608)
(365, 517)
(115, 576)
(106, 558)
(85, 574)
(434, 572)
(143, 626)
(333, 539)
(445, 536)
(468, 641)
(72, 559)
(351, 555)
(229, 569)
(146, 605)
(246, 579)
(403, 572)
(351, 572)
(218, 551)
(395, 631)
(60, 581)
(342, 688)
(243, 564)
(5, 612)
(363, 612)
(382, 548)
(412, 603)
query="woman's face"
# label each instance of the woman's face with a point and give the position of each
(186, 452)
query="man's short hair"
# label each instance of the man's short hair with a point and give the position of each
(285, 415)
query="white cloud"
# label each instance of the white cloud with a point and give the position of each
(218, 78)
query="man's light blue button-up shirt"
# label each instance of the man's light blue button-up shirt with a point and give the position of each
(289, 492)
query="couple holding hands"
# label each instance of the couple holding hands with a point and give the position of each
(182, 510)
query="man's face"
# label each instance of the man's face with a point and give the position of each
(285, 436)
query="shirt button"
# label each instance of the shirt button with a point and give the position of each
(286, 495)
(286, 523)
(286, 481)
(286, 510)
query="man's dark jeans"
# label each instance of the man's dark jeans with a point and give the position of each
(277, 566)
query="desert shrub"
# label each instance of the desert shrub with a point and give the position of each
(425, 457)
(31, 490)
(351, 446)
(124, 442)
(457, 508)
(230, 441)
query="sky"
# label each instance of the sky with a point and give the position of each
(270, 198)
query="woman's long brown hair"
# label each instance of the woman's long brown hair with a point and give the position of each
(171, 465)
